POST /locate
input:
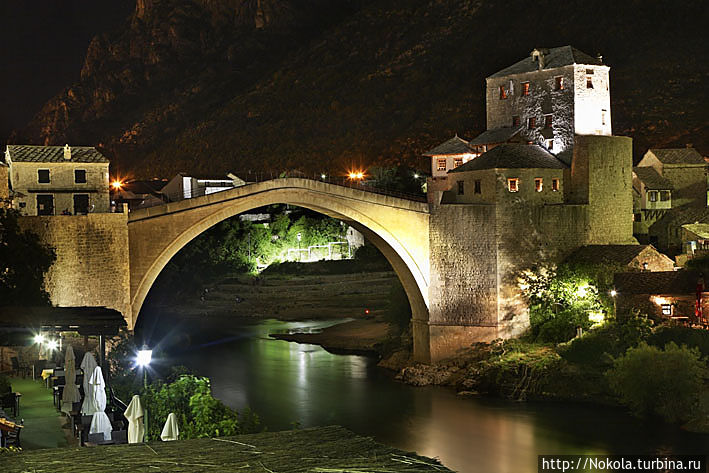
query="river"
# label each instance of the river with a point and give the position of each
(291, 384)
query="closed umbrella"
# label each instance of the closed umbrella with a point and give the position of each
(99, 422)
(170, 431)
(134, 413)
(71, 393)
(88, 364)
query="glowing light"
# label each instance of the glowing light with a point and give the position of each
(416, 176)
(117, 185)
(144, 356)
(597, 317)
(356, 175)
(582, 291)
(52, 345)
(614, 293)
(366, 311)
(323, 176)
(660, 300)
(39, 338)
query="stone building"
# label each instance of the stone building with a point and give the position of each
(630, 257)
(54, 180)
(449, 155)
(685, 169)
(184, 186)
(652, 198)
(4, 184)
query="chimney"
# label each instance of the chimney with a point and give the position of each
(538, 55)
(599, 56)
(67, 152)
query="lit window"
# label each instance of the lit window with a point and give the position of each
(478, 187)
(558, 83)
(503, 92)
(589, 82)
(43, 176)
(513, 184)
(515, 120)
(652, 196)
(457, 162)
(531, 122)
(547, 121)
(461, 187)
(603, 117)
(525, 88)
(555, 185)
(550, 145)
(666, 309)
(441, 162)
(538, 184)
(665, 196)
(80, 176)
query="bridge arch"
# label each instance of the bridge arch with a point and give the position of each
(397, 227)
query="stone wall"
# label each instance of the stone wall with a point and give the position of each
(690, 184)
(92, 266)
(4, 183)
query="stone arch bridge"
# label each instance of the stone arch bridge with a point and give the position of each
(398, 227)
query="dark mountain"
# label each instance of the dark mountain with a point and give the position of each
(210, 86)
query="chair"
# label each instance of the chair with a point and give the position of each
(10, 400)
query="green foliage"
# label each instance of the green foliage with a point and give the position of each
(125, 381)
(398, 310)
(5, 386)
(691, 337)
(198, 413)
(655, 382)
(24, 261)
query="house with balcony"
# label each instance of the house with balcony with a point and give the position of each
(57, 180)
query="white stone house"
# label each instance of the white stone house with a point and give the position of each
(184, 186)
(449, 155)
(56, 180)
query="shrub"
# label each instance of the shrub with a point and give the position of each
(5, 386)
(691, 337)
(665, 383)
(398, 310)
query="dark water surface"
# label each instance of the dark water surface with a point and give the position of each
(288, 383)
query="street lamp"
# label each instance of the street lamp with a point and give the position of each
(614, 293)
(143, 359)
(299, 236)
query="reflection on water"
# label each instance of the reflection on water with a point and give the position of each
(288, 383)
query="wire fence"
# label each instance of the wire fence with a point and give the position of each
(251, 178)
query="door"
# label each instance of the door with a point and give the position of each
(45, 204)
(81, 204)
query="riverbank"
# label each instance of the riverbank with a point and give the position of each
(324, 449)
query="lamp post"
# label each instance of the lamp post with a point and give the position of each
(299, 236)
(143, 360)
(614, 293)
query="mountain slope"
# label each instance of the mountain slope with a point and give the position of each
(208, 86)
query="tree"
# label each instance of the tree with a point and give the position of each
(24, 260)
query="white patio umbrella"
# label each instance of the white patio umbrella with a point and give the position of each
(99, 422)
(170, 431)
(88, 364)
(70, 394)
(134, 413)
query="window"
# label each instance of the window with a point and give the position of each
(558, 83)
(478, 186)
(441, 164)
(515, 120)
(550, 145)
(461, 187)
(45, 205)
(665, 196)
(525, 88)
(603, 117)
(457, 162)
(589, 82)
(555, 185)
(43, 176)
(666, 309)
(513, 184)
(503, 92)
(531, 122)
(652, 196)
(589, 72)
(81, 204)
(548, 121)
(638, 217)
(538, 184)
(80, 176)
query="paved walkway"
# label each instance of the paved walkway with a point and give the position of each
(43, 423)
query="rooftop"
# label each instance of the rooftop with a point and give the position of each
(324, 449)
(658, 282)
(652, 179)
(455, 145)
(496, 135)
(678, 156)
(622, 254)
(700, 230)
(511, 156)
(54, 154)
(553, 58)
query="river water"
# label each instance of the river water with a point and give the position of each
(291, 384)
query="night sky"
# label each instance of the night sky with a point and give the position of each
(42, 48)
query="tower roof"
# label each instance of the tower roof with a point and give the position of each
(552, 58)
(652, 180)
(511, 156)
(678, 156)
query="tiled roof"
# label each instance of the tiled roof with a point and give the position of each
(513, 155)
(623, 254)
(656, 282)
(455, 145)
(496, 135)
(699, 229)
(678, 156)
(652, 179)
(54, 154)
(554, 57)
(682, 215)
